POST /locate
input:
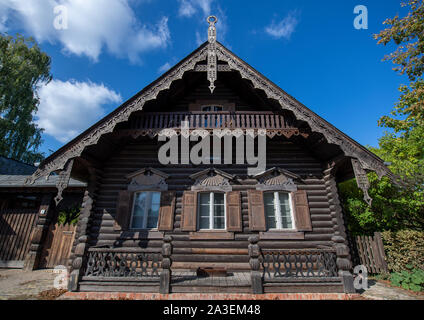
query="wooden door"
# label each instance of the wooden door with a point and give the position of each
(15, 235)
(57, 246)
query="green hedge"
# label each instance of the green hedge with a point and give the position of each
(404, 249)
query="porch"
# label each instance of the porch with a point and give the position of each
(272, 271)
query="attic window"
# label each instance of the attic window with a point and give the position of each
(212, 108)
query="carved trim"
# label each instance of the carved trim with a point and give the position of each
(362, 180)
(123, 114)
(147, 179)
(63, 181)
(350, 148)
(212, 180)
(301, 112)
(276, 179)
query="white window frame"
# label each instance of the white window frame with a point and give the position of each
(277, 211)
(148, 204)
(211, 210)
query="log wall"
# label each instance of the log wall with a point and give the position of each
(189, 252)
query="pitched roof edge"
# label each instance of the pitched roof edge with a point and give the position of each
(350, 147)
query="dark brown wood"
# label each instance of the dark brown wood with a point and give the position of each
(234, 219)
(166, 211)
(189, 213)
(123, 210)
(15, 228)
(57, 246)
(301, 211)
(257, 221)
(371, 253)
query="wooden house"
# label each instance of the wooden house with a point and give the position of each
(23, 207)
(211, 226)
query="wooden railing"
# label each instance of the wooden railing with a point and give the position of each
(105, 262)
(133, 265)
(278, 265)
(210, 120)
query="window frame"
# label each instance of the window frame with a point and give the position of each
(146, 216)
(211, 210)
(277, 211)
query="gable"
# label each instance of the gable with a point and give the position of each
(333, 136)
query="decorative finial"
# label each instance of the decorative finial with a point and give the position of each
(212, 59)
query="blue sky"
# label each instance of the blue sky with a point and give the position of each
(111, 49)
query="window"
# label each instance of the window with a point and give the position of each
(211, 211)
(278, 210)
(212, 108)
(145, 211)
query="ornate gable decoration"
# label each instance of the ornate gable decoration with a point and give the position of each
(212, 179)
(147, 179)
(211, 52)
(276, 179)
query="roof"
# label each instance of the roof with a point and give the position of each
(18, 181)
(13, 174)
(58, 160)
(10, 166)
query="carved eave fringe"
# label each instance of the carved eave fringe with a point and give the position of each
(362, 180)
(63, 181)
(350, 148)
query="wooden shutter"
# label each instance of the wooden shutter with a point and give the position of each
(189, 213)
(257, 221)
(123, 210)
(166, 211)
(301, 211)
(234, 222)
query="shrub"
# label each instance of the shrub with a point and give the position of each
(404, 250)
(69, 215)
(409, 280)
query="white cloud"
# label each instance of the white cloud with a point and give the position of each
(68, 108)
(284, 28)
(92, 26)
(164, 68)
(189, 7)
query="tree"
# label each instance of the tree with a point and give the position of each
(396, 208)
(23, 68)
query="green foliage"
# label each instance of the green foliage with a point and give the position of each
(23, 68)
(408, 34)
(69, 215)
(404, 249)
(409, 280)
(397, 208)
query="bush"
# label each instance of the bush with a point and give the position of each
(69, 215)
(404, 250)
(409, 280)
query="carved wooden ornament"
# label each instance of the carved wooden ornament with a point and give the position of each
(362, 180)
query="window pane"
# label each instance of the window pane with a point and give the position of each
(205, 199)
(218, 198)
(219, 223)
(270, 210)
(286, 220)
(140, 203)
(139, 210)
(204, 223)
(153, 215)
